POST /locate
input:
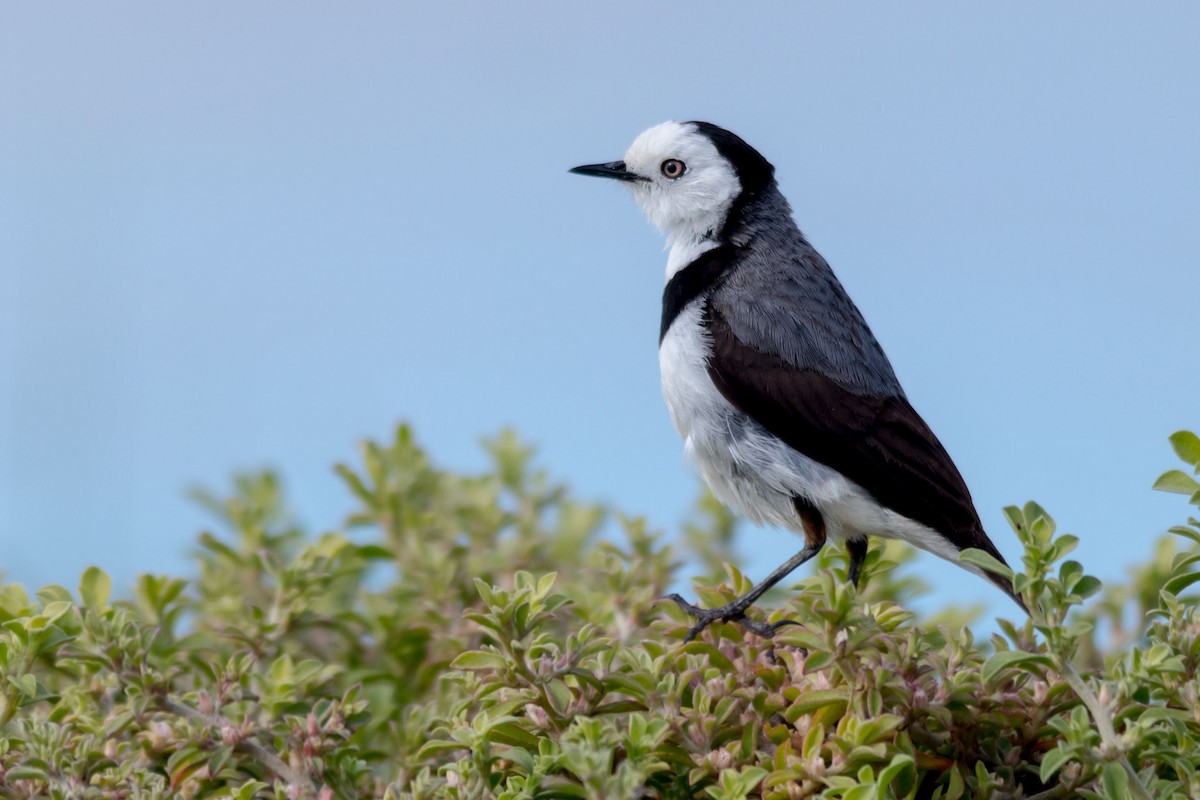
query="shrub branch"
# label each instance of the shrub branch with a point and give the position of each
(1112, 748)
(268, 759)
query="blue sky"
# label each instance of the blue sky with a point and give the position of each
(235, 235)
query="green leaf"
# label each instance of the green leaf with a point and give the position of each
(874, 730)
(1177, 482)
(1187, 446)
(957, 785)
(560, 696)
(249, 789)
(355, 483)
(901, 763)
(1159, 714)
(374, 552)
(1192, 534)
(26, 683)
(53, 593)
(1052, 762)
(986, 562)
(813, 741)
(1016, 519)
(1011, 658)
(1063, 545)
(53, 612)
(510, 733)
(1180, 582)
(437, 746)
(817, 660)
(1185, 559)
(864, 791)
(479, 659)
(1115, 781)
(1088, 585)
(94, 588)
(27, 773)
(808, 702)
(185, 761)
(485, 592)
(736, 785)
(715, 656)
(521, 757)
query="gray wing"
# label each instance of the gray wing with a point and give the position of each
(784, 299)
(791, 351)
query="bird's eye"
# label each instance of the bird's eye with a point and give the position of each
(673, 168)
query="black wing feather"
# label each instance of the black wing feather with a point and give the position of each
(879, 442)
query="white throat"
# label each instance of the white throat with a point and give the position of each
(684, 251)
(690, 208)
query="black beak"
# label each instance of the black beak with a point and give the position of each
(613, 169)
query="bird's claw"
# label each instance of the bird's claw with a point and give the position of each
(733, 612)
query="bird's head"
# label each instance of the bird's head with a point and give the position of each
(687, 176)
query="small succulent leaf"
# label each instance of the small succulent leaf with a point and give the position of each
(1187, 446)
(1052, 762)
(986, 562)
(1177, 482)
(1006, 659)
(479, 659)
(94, 588)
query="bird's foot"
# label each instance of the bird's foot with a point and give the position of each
(731, 612)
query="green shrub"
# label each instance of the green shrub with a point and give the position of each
(490, 636)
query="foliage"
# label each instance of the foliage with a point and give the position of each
(489, 636)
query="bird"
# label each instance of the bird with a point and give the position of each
(784, 399)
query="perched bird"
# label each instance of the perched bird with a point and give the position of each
(784, 399)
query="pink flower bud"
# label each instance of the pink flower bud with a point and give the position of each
(538, 716)
(719, 760)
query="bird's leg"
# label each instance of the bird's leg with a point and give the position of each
(736, 610)
(857, 548)
(814, 536)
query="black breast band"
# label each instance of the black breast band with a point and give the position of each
(694, 280)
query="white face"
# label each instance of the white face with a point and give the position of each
(689, 186)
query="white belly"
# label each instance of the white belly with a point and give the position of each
(751, 470)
